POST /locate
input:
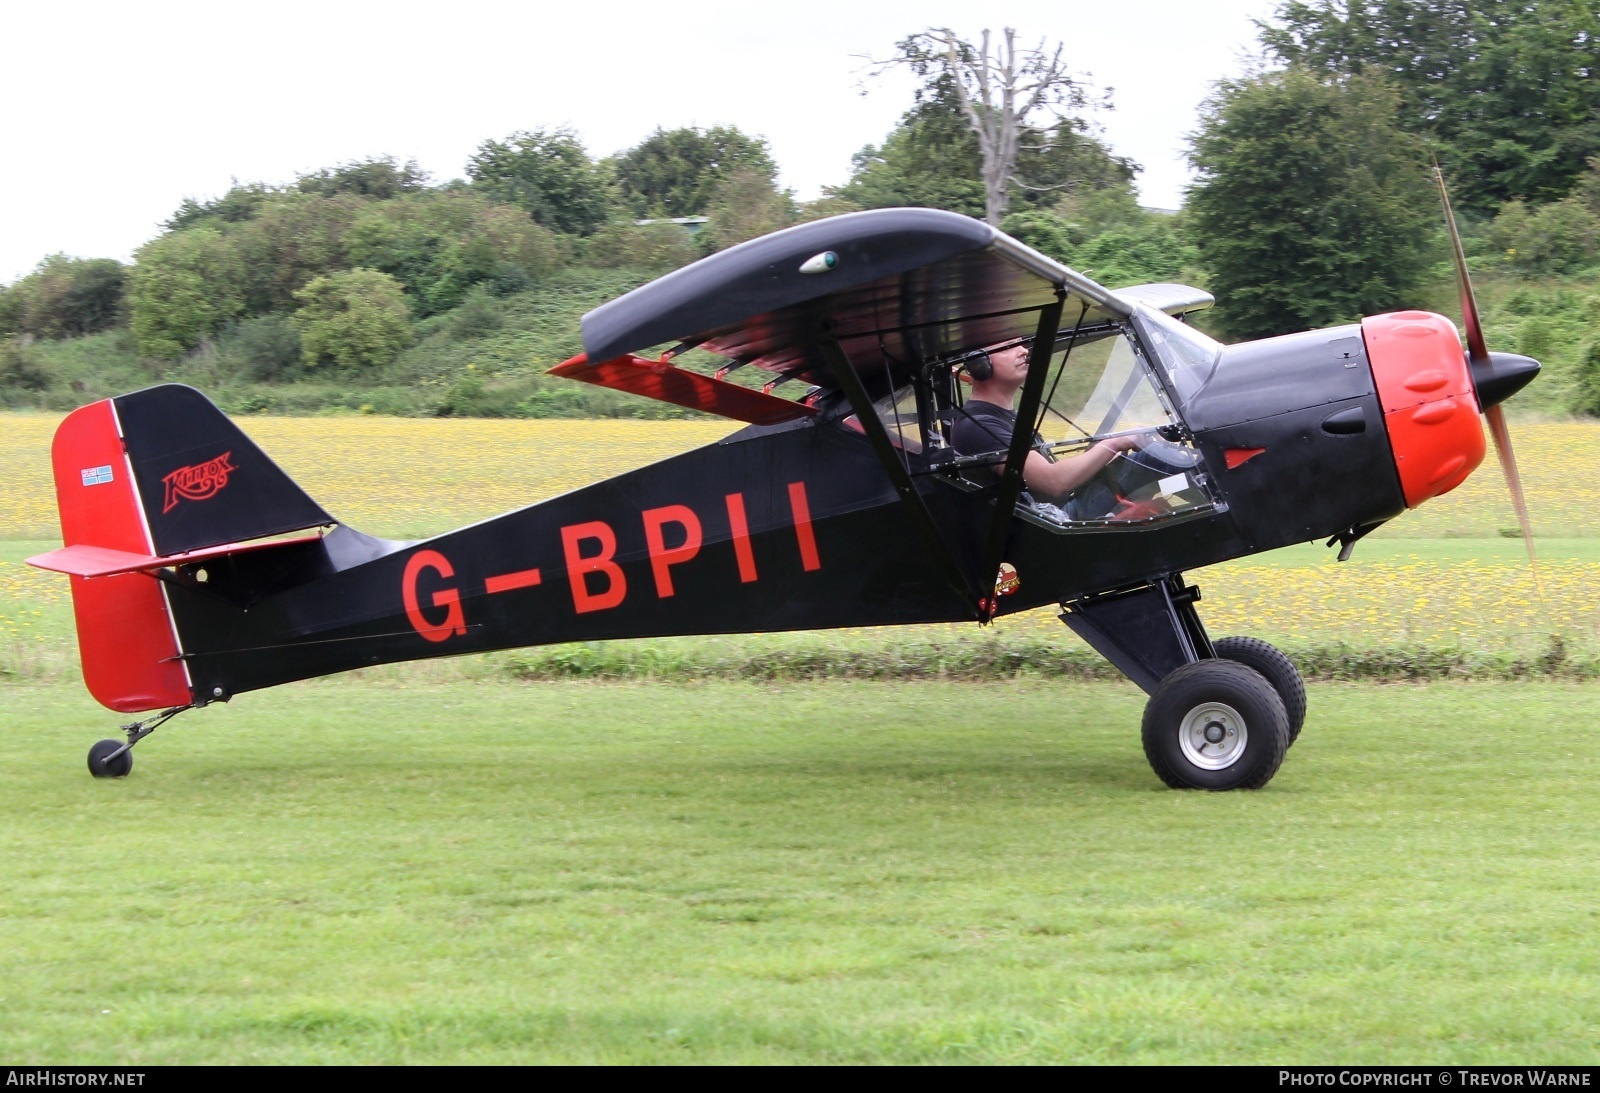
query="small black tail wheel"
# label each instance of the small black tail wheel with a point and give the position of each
(1215, 724)
(1279, 671)
(119, 767)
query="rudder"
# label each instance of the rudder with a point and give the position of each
(157, 472)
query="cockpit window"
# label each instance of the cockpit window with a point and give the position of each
(1101, 388)
(1102, 385)
(1187, 355)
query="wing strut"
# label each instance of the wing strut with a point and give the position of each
(854, 390)
(1005, 502)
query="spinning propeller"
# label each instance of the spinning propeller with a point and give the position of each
(1495, 376)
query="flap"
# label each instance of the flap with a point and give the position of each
(663, 382)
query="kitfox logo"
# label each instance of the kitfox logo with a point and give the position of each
(198, 482)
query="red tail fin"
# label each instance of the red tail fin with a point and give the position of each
(125, 635)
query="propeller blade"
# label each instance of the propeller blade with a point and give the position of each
(1477, 348)
(1496, 417)
(1478, 355)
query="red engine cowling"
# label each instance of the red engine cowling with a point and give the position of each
(1430, 407)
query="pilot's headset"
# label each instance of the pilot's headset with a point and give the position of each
(978, 364)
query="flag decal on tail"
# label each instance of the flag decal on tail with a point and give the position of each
(197, 482)
(96, 476)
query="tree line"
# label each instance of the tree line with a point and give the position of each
(1311, 203)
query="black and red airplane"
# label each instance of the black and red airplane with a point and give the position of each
(847, 506)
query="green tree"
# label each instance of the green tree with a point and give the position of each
(675, 172)
(548, 174)
(382, 177)
(1588, 188)
(1507, 90)
(1001, 91)
(291, 239)
(66, 297)
(1155, 249)
(239, 204)
(747, 205)
(185, 286)
(354, 319)
(1146, 247)
(1311, 206)
(662, 245)
(1560, 237)
(932, 159)
(20, 366)
(1046, 232)
(439, 245)
(1586, 393)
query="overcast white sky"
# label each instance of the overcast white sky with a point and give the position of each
(114, 112)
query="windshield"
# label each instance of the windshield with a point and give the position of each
(1101, 387)
(1187, 355)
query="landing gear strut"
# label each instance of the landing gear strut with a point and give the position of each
(113, 758)
(1221, 715)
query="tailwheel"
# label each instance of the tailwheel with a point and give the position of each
(110, 759)
(1278, 670)
(114, 758)
(1215, 724)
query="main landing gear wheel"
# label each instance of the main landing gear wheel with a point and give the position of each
(1279, 671)
(102, 767)
(1215, 724)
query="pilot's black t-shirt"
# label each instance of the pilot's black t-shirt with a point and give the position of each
(984, 427)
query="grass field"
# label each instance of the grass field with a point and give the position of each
(444, 863)
(848, 873)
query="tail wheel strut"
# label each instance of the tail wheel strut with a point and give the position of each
(113, 758)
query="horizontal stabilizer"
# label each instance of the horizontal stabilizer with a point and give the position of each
(664, 383)
(83, 560)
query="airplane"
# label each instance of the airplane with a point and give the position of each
(200, 571)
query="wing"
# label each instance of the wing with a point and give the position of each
(891, 287)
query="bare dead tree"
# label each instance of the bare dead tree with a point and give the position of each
(1002, 91)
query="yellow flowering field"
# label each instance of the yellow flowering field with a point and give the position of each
(408, 478)
(395, 477)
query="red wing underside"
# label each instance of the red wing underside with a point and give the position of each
(664, 383)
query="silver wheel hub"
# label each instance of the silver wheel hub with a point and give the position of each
(1212, 736)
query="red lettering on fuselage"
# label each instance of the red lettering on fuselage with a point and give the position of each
(802, 526)
(740, 528)
(579, 566)
(596, 577)
(662, 558)
(510, 582)
(447, 598)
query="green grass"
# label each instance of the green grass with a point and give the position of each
(344, 872)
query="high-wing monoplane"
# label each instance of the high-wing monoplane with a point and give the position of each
(201, 571)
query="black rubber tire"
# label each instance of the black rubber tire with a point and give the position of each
(1279, 671)
(1247, 692)
(117, 768)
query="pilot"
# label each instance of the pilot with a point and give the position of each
(986, 421)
